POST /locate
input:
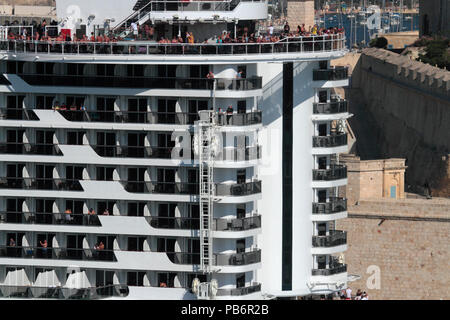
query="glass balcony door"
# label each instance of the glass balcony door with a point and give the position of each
(14, 141)
(44, 211)
(14, 212)
(137, 110)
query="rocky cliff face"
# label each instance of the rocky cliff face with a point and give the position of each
(406, 105)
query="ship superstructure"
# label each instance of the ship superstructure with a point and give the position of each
(145, 169)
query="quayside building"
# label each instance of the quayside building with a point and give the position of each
(144, 169)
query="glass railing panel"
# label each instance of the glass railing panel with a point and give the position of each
(40, 184)
(332, 74)
(237, 224)
(335, 238)
(330, 107)
(237, 259)
(57, 292)
(17, 114)
(335, 269)
(56, 253)
(239, 291)
(330, 141)
(334, 205)
(241, 189)
(335, 172)
(49, 218)
(174, 223)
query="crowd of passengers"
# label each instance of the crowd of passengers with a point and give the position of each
(147, 33)
(247, 37)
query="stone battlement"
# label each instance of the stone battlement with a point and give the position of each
(408, 72)
(438, 208)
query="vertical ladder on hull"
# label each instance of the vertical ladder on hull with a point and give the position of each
(206, 128)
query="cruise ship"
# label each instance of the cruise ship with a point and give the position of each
(138, 168)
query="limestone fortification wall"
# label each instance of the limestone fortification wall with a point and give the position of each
(408, 72)
(410, 104)
(299, 12)
(408, 239)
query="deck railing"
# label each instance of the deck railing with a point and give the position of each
(58, 292)
(303, 44)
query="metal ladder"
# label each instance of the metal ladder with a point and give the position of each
(206, 131)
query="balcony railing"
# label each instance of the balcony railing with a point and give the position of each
(252, 83)
(330, 141)
(239, 154)
(237, 259)
(240, 189)
(161, 187)
(226, 259)
(255, 287)
(333, 206)
(332, 74)
(30, 148)
(174, 223)
(36, 292)
(239, 119)
(181, 118)
(56, 253)
(17, 114)
(237, 224)
(134, 151)
(40, 184)
(338, 268)
(184, 257)
(335, 172)
(130, 117)
(330, 107)
(49, 218)
(303, 44)
(194, 223)
(335, 238)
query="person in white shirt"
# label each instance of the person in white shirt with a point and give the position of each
(348, 291)
(364, 296)
(134, 27)
(271, 30)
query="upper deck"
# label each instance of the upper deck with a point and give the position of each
(290, 49)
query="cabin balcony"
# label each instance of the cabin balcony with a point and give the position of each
(331, 74)
(334, 140)
(29, 252)
(333, 239)
(332, 270)
(332, 107)
(220, 259)
(239, 189)
(59, 292)
(55, 218)
(335, 172)
(40, 184)
(142, 82)
(30, 148)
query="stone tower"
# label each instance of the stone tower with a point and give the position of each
(434, 17)
(299, 12)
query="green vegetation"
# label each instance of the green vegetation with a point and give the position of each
(380, 42)
(437, 51)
